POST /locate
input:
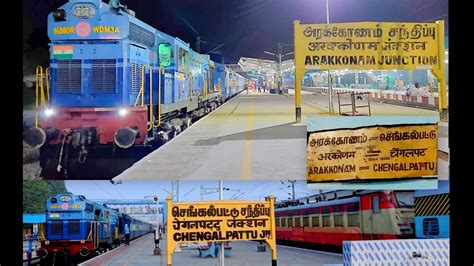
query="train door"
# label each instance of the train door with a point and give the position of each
(205, 82)
(165, 55)
(182, 74)
(374, 214)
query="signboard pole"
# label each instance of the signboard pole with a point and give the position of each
(272, 241)
(298, 76)
(440, 74)
(331, 106)
(170, 244)
(221, 197)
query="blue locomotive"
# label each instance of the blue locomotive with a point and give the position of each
(432, 212)
(77, 227)
(117, 90)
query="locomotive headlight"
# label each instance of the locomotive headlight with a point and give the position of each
(49, 112)
(123, 112)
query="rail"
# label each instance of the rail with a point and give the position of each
(41, 98)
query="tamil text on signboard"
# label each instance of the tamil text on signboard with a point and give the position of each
(368, 45)
(195, 222)
(223, 220)
(377, 152)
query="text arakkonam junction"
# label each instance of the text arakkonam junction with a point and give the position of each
(370, 45)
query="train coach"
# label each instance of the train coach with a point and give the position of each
(336, 217)
(117, 89)
(77, 227)
(432, 212)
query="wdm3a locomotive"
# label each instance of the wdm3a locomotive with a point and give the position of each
(117, 89)
(76, 227)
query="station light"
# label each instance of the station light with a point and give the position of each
(123, 112)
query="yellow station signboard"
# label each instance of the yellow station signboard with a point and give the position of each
(217, 221)
(368, 45)
(377, 152)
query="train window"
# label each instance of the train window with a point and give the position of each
(430, 227)
(283, 221)
(338, 220)
(326, 220)
(297, 221)
(277, 222)
(290, 221)
(165, 54)
(315, 221)
(182, 60)
(405, 199)
(375, 204)
(305, 220)
(353, 219)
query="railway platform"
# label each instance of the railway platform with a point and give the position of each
(140, 252)
(252, 136)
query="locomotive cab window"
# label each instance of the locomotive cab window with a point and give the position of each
(165, 54)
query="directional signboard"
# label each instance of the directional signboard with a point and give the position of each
(376, 152)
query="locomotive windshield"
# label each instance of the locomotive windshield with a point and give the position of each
(405, 199)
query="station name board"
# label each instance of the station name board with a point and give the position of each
(375, 152)
(226, 221)
(367, 45)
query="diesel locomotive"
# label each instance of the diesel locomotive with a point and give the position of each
(76, 227)
(117, 89)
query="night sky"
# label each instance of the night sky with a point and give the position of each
(248, 27)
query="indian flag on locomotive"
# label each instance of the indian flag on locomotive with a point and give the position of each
(62, 51)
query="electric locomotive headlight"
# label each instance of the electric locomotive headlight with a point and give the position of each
(54, 200)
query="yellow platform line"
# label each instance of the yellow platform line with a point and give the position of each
(247, 159)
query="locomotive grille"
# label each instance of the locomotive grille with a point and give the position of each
(57, 227)
(69, 75)
(104, 75)
(74, 227)
(141, 35)
(136, 77)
